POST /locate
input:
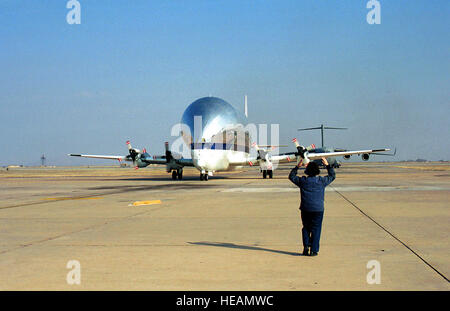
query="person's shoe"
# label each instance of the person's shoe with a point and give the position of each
(314, 254)
(305, 251)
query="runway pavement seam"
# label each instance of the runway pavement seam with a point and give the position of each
(133, 188)
(76, 231)
(52, 201)
(392, 235)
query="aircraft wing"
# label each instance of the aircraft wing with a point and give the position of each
(283, 158)
(314, 156)
(109, 157)
(150, 160)
(254, 161)
(291, 156)
(251, 161)
(162, 161)
(185, 162)
(136, 155)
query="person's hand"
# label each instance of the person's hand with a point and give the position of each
(324, 161)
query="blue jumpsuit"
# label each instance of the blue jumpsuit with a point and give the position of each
(312, 193)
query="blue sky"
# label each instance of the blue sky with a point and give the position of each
(130, 69)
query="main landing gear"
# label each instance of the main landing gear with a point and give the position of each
(177, 174)
(204, 176)
(266, 173)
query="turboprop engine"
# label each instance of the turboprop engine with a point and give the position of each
(135, 156)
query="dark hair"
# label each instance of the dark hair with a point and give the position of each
(312, 169)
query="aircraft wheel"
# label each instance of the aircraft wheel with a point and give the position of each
(206, 177)
(201, 176)
(174, 175)
(270, 172)
(180, 174)
(264, 174)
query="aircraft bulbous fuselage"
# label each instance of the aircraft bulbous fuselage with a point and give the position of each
(212, 127)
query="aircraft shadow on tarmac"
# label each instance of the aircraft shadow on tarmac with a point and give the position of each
(168, 178)
(186, 178)
(132, 188)
(255, 248)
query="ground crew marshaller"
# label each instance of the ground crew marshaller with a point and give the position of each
(312, 193)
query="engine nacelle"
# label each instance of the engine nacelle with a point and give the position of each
(347, 156)
(139, 163)
(365, 156)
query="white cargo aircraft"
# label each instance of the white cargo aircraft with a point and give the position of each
(221, 142)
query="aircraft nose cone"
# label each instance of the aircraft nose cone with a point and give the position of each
(208, 115)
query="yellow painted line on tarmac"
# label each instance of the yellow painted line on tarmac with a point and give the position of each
(141, 203)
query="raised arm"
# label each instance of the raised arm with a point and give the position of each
(331, 174)
(293, 175)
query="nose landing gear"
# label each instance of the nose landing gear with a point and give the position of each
(204, 176)
(266, 173)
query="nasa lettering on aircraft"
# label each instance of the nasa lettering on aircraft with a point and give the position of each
(220, 138)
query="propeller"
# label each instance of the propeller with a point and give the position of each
(168, 152)
(134, 154)
(302, 152)
(263, 155)
(311, 147)
(300, 149)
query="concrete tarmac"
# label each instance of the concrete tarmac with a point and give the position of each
(236, 231)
